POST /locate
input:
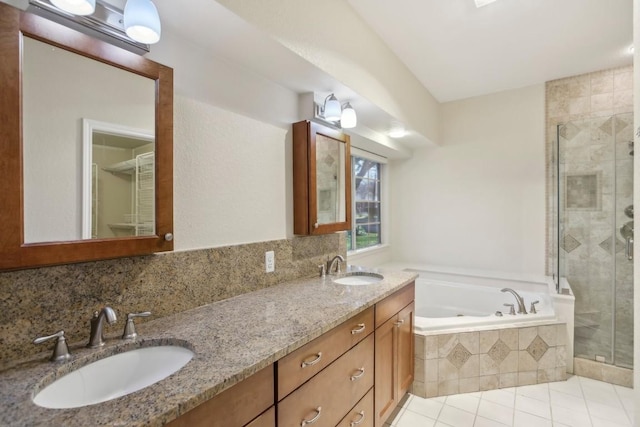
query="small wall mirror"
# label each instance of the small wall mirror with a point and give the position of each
(330, 182)
(86, 147)
(321, 179)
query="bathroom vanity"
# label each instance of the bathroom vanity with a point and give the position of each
(249, 351)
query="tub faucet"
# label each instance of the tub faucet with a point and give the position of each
(96, 338)
(519, 299)
(335, 261)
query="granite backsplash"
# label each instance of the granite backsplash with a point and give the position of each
(42, 301)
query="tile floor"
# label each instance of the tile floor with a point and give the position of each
(577, 402)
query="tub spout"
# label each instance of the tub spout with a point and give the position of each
(519, 299)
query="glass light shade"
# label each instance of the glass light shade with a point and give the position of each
(332, 109)
(76, 7)
(141, 21)
(348, 119)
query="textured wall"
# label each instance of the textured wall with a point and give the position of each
(477, 201)
(42, 301)
(596, 184)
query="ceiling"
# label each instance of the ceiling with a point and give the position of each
(455, 50)
(459, 51)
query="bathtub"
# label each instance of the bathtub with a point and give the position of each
(470, 302)
(463, 346)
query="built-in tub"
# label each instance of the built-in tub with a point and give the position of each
(445, 304)
(463, 346)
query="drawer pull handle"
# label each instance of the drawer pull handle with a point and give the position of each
(355, 423)
(358, 375)
(312, 420)
(360, 329)
(312, 362)
(399, 322)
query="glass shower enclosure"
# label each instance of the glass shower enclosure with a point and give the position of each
(595, 233)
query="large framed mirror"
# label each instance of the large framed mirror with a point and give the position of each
(86, 147)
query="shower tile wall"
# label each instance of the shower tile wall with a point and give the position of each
(596, 178)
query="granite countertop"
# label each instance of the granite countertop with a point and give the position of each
(232, 339)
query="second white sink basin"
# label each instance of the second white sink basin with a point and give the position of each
(357, 279)
(113, 377)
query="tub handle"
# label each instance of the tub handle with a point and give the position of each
(361, 327)
(312, 420)
(512, 310)
(532, 310)
(358, 375)
(312, 362)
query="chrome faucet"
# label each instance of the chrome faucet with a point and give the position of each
(96, 338)
(335, 261)
(519, 299)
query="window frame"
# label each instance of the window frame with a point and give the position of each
(384, 211)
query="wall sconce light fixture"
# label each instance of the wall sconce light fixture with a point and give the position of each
(133, 29)
(332, 112)
(76, 7)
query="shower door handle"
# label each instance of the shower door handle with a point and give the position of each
(629, 248)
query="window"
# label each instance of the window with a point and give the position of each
(366, 229)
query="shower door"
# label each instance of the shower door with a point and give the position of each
(595, 232)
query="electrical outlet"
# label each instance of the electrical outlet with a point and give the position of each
(270, 261)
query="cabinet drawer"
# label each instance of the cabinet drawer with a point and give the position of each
(319, 353)
(360, 415)
(392, 304)
(333, 392)
(234, 407)
(268, 419)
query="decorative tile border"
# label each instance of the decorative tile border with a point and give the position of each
(476, 361)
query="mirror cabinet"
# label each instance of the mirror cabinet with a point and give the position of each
(321, 179)
(77, 114)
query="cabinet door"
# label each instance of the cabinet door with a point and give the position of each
(385, 376)
(234, 407)
(405, 349)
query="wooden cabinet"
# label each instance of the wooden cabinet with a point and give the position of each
(237, 406)
(394, 353)
(326, 398)
(300, 365)
(321, 179)
(361, 415)
(352, 376)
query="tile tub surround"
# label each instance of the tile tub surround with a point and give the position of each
(466, 362)
(41, 301)
(232, 339)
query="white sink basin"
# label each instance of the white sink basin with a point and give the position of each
(113, 377)
(359, 279)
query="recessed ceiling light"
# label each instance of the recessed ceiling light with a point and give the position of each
(397, 130)
(480, 3)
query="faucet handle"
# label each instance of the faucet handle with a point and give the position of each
(512, 310)
(130, 328)
(323, 270)
(532, 310)
(61, 350)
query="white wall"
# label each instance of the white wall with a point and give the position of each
(229, 177)
(478, 200)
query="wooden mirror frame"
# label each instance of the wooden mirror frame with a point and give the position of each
(14, 253)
